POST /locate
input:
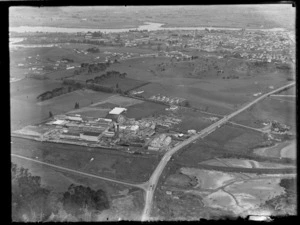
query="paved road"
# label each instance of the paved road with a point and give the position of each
(159, 169)
(291, 96)
(142, 186)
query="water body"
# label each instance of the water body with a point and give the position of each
(148, 26)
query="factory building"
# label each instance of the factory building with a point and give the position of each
(90, 136)
(116, 114)
(70, 135)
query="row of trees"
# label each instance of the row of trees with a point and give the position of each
(92, 68)
(97, 83)
(31, 202)
(56, 92)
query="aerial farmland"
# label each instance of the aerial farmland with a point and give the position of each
(126, 114)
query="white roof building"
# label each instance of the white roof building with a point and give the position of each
(59, 122)
(117, 110)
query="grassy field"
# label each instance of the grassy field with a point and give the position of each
(49, 177)
(226, 140)
(29, 89)
(122, 167)
(144, 109)
(121, 101)
(202, 99)
(25, 110)
(268, 110)
(235, 139)
(191, 120)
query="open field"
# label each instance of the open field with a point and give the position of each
(194, 95)
(35, 112)
(267, 110)
(191, 120)
(49, 177)
(121, 167)
(145, 109)
(120, 101)
(29, 89)
(234, 139)
(281, 150)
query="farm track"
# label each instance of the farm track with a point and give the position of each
(249, 170)
(230, 183)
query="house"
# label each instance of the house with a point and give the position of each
(90, 136)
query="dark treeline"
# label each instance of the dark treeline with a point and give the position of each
(32, 202)
(91, 68)
(96, 83)
(57, 92)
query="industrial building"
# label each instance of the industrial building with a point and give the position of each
(90, 136)
(116, 114)
(117, 111)
(70, 135)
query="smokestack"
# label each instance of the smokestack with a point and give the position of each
(118, 131)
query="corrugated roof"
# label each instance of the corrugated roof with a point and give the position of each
(117, 110)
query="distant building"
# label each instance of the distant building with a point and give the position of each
(74, 118)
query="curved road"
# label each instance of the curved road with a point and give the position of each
(159, 169)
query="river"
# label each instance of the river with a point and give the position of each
(148, 26)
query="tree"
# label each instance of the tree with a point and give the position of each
(30, 201)
(78, 199)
